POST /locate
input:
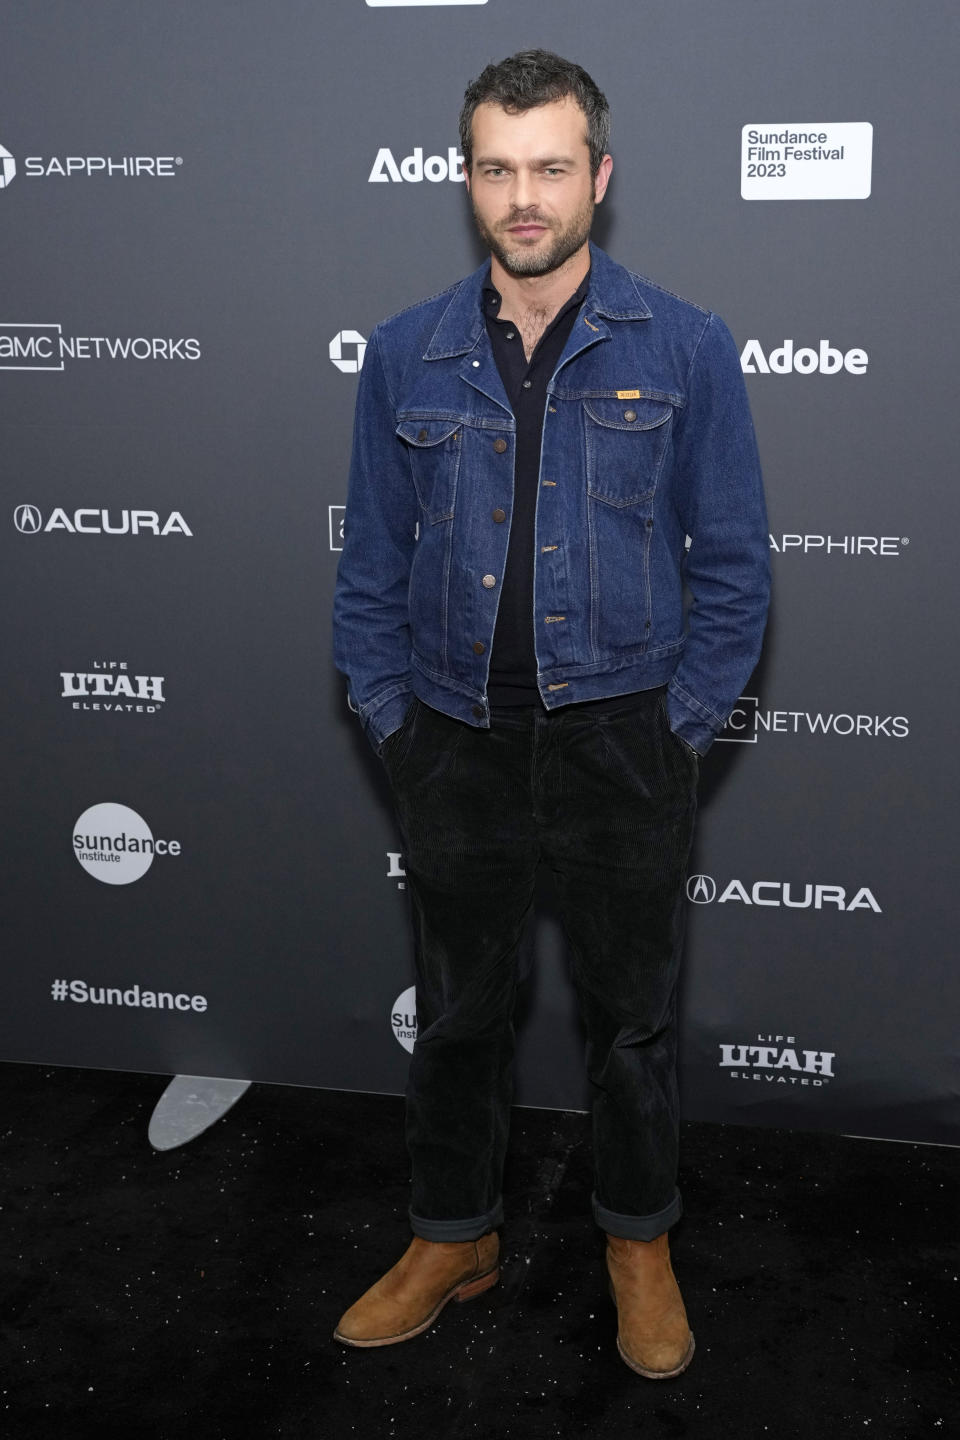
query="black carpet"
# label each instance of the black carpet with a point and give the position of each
(152, 1296)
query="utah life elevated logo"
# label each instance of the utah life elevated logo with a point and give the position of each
(774, 1060)
(109, 688)
(395, 870)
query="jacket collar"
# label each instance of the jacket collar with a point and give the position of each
(613, 293)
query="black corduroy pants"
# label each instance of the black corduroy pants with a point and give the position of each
(605, 795)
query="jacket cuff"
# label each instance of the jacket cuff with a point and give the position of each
(689, 721)
(381, 720)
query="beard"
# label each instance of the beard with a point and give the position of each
(548, 253)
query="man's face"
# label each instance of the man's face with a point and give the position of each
(530, 183)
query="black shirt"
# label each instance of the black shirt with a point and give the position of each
(513, 661)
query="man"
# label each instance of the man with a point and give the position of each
(545, 455)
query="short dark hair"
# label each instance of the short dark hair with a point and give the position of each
(531, 78)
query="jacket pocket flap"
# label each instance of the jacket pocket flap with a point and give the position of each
(424, 433)
(627, 414)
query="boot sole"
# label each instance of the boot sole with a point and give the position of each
(464, 1291)
(642, 1369)
(657, 1374)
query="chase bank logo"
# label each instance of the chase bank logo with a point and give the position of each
(27, 519)
(701, 889)
(8, 168)
(352, 339)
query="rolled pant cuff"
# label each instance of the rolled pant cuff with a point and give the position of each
(636, 1227)
(448, 1230)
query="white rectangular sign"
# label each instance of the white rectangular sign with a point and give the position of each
(815, 161)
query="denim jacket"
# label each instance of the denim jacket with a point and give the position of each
(649, 486)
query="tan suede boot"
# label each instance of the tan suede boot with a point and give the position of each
(410, 1296)
(654, 1338)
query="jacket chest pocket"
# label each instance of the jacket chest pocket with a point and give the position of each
(626, 441)
(434, 447)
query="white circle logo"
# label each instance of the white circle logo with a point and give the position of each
(115, 844)
(403, 1018)
(348, 337)
(27, 519)
(8, 168)
(701, 889)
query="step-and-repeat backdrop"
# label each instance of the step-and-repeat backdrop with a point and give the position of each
(204, 210)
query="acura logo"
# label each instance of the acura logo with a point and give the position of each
(701, 889)
(27, 519)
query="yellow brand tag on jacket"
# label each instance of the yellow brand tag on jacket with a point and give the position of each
(628, 394)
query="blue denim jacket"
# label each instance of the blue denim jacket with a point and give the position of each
(647, 440)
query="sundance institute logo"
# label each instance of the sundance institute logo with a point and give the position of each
(403, 1018)
(116, 845)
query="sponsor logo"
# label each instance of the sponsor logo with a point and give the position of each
(71, 167)
(413, 168)
(819, 161)
(775, 1060)
(85, 521)
(855, 545)
(82, 993)
(349, 364)
(109, 687)
(748, 722)
(786, 359)
(27, 519)
(336, 517)
(403, 1017)
(395, 870)
(39, 345)
(703, 890)
(8, 168)
(116, 845)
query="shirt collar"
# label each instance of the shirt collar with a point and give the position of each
(492, 297)
(615, 293)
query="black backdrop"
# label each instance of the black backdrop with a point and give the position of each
(204, 209)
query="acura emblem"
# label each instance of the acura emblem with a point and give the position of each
(27, 519)
(701, 889)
